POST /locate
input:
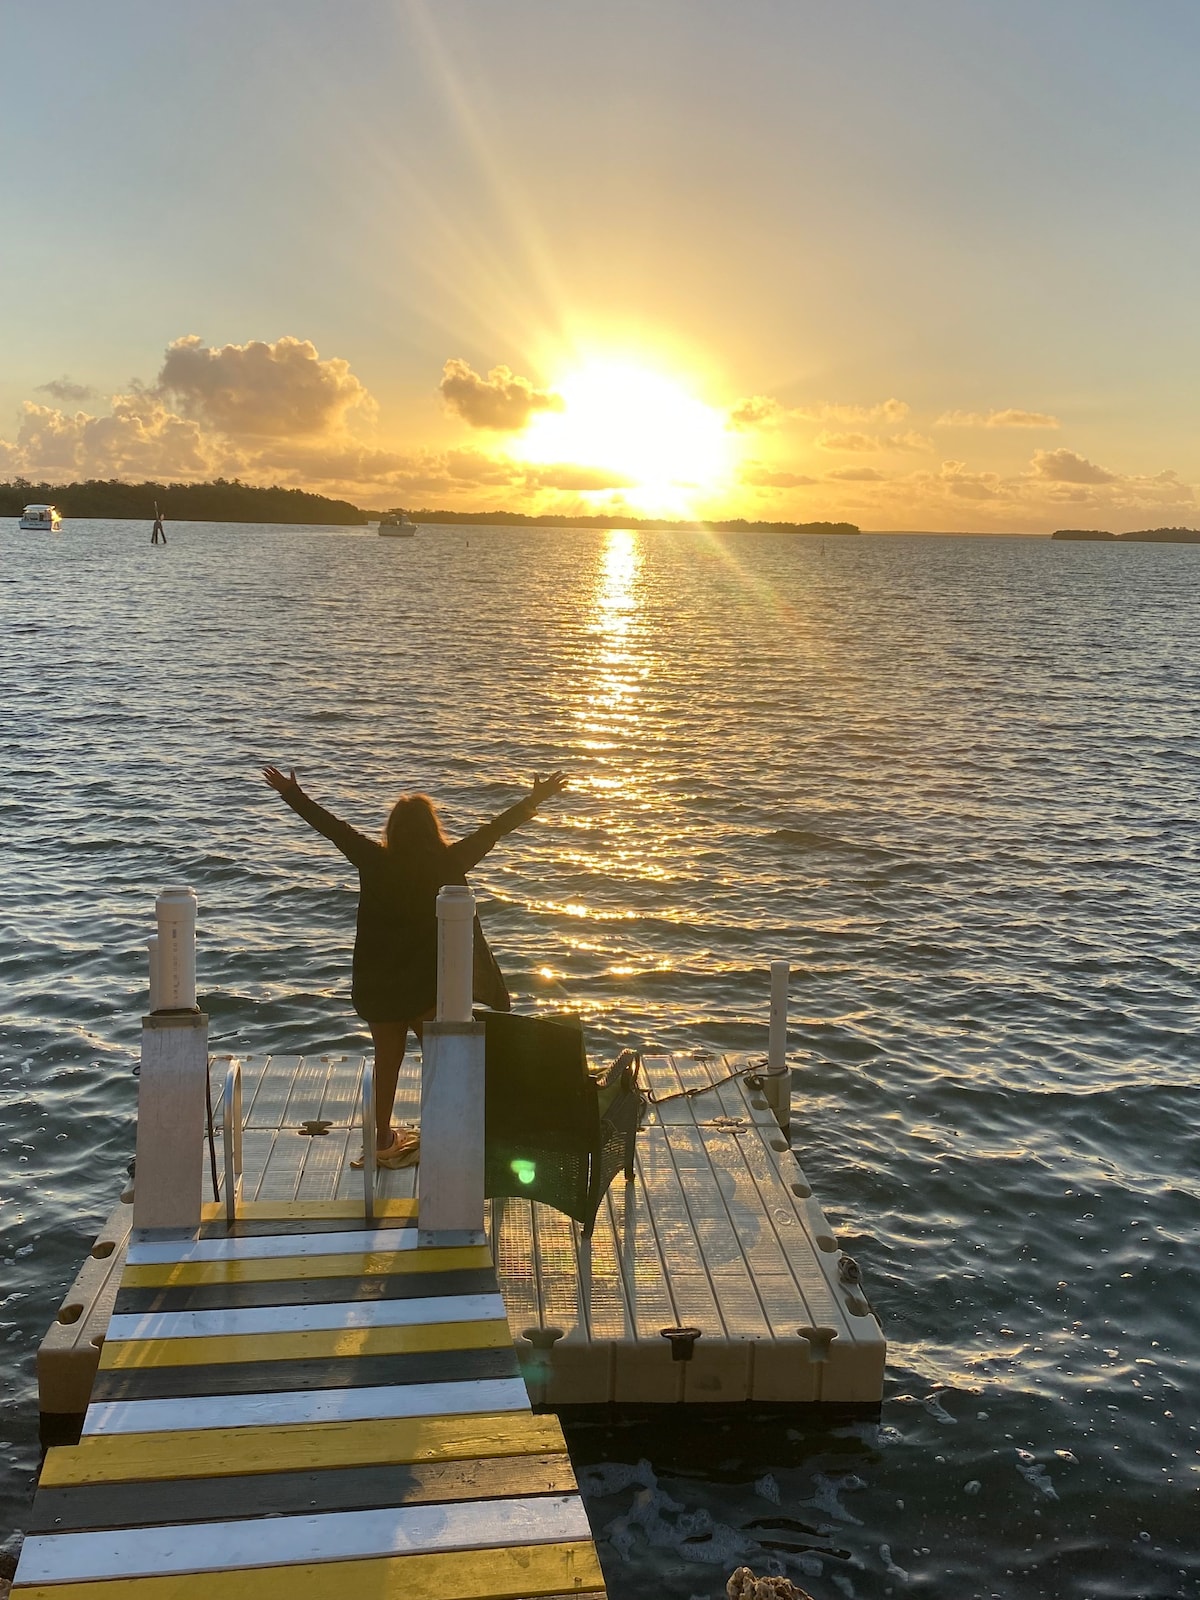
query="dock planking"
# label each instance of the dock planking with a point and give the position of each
(720, 1231)
(261, 1441)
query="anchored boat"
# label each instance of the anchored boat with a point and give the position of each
(395, 525)
(45, 518)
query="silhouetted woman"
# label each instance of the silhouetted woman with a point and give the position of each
(395, 948)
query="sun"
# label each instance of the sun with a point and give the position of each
(634, 429)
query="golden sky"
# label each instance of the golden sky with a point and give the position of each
(905, 266)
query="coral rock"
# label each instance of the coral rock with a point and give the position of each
(745, 1586)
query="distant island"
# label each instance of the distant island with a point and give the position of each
(1145, 536)
(230, 500)
(611, 519)
(223, 500)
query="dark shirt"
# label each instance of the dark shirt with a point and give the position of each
(395, 943)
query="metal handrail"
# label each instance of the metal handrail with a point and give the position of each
(231, 1137)
(368, 1146)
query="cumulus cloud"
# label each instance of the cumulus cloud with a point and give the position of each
(760, 477)
(260, 390)
(64, 390)
(908, 440)
(847, 441)
(1011, 418)
(1064, 466)
(956, 479)
(502, 401)
(888, 411)
(140, 438)
(858, 475)
(756, 411)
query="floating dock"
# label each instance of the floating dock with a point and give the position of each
(719, 1232)
(325, 1378)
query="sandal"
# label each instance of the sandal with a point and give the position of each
(404, 1151)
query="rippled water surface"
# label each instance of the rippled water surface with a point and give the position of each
(954, 781)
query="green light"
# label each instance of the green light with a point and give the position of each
(525, 1170)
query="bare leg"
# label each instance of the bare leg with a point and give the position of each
(389, 1039)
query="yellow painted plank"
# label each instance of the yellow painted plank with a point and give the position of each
(318, 1344)
(290, 1210)
(490, 1574)
(299, 1447)
(166, 1275)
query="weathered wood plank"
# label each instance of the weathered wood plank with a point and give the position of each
(299, 1447)
(438, 1397)
(357, 1488)
(320, 1537)
(541, 1573)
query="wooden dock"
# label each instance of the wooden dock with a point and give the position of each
(313, 1384)
(720, 1233)
(297, 1406)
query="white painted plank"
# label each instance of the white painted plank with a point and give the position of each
(257, 1144)
(271, 1247)
(306, 1091)
(558, 1274)
(319, 1537)
(511, 1240)
(341, 1102)
(465, 1398)
(266, 1108)
(281, 1175)
(307, 1319)
(327, 1155)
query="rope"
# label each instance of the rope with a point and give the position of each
(754, 1073)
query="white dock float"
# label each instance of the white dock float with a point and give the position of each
(713, 1278)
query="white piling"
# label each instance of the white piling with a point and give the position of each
(450, 1176)
(778, 1083)
(170, 1129)
(175, 913)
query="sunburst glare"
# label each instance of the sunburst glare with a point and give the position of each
(639, 431)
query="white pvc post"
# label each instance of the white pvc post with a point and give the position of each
(456, 950)
(778, 1085)
(175, 913)
(450, 1175)
(155, 983)
(171, 1089)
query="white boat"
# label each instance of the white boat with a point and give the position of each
(395, 525)
(44, 517)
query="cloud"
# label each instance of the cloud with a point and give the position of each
(909, 440)
(584, 480)
(756, 411)
(1064, 466)
(847, 441)
(141, 438)
(997, 419)
(889, 411)
(955, 479)
(858, 475)
(502, 401)
(259, 390)
(760, 477)
(63, 389)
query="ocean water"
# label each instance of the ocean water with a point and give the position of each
(954, 781)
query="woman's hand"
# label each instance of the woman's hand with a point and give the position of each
(281, 783)
(543, 788)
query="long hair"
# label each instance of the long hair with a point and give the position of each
(413, 829)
